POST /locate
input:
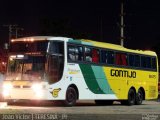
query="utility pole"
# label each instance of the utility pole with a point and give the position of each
(10, 28)
(122, 24)
(13, 31)
(17, 29)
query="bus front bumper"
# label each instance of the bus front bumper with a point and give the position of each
(27, 94)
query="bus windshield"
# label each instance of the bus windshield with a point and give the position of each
(36, 46)
(25, 67)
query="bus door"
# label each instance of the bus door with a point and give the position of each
(55, 61)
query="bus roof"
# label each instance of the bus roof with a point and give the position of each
(85, 42)
(39, 38)
(118, 47)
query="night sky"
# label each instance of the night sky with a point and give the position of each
(98, 20)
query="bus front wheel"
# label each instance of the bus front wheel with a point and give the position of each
(71, 97)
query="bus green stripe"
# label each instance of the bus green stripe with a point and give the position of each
(90, 79)
(101, 79)
(76, 41)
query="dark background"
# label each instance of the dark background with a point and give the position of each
(96, 20)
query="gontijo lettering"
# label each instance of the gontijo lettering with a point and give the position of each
(123, 73)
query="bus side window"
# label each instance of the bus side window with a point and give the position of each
(137, 61)
(131, 60)
(71, 53)
(118, 59)
(124, 59)
(154, 63)
(143, 62)
(103, 56)
(121, 59)
(110, 57)
(95, 55)
(88, 54)
(80, 53)
(107, 57)
(75, 53)
(148, 62)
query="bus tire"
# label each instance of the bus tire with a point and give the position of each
(139, 97)
(71, 97)
(131, 98)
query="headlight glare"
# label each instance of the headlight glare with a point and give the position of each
(36, 87)
(7, 86)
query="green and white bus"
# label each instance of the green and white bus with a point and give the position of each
(65, 69)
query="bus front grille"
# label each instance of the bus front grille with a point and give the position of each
(21, 86)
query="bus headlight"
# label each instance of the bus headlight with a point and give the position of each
(37, 88)
(6, 89)
(7, 86)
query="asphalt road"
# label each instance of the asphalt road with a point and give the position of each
(86, 110)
